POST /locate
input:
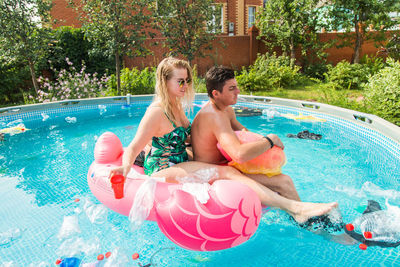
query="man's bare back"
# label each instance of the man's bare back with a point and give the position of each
(204, 141)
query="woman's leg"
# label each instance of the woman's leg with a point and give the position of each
(280, 183)
(301, 211)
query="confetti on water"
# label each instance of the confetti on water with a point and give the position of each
(70, 119)
(69, 227)
(45, 117)
(6, 238)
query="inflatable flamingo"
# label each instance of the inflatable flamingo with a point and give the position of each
(229, 218)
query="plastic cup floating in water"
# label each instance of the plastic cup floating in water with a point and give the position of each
(117, 182)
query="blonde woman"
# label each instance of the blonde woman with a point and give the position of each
(167, 127)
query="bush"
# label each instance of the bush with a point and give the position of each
(347, 76)
(352, 76)
(15, 79)
(393, 47)
(383, 92)
(133, 81)
(70, 84)
(69, 42)
(269, 72)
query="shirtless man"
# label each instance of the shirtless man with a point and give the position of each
(216, 123)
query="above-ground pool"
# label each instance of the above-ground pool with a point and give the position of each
(48, 212)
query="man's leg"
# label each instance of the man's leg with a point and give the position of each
(280, 183)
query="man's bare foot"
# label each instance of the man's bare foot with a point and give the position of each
(302, 211)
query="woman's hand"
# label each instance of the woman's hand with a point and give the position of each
(124, 170)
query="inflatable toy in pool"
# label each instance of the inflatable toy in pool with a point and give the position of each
(14, 130)
(303, 117)
(230, 216)
(268, 163)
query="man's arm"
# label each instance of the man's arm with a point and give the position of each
(228, 140)
(236, 125)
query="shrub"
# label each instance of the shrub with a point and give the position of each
(134, 81)
(269, 72)
(69, 42)
(393, 47)
(347, 76)
(14, 80)
(70, 84)
(383, 92)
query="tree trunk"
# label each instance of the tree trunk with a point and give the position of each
(358, 43)
(292, 50)
(118, 72)
(33, 75)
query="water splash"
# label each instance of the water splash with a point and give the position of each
(45, 117)
(95, 213)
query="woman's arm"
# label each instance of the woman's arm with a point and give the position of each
(149, 126)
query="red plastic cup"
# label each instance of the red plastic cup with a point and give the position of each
(117, 182)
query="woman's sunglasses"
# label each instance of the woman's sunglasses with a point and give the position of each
(181, 82)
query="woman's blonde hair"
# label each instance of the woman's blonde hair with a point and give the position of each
(164, 73)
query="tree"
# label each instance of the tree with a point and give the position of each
(22, 32)
(189, 26)
(290, 25)
(118, 26)
(362, 20)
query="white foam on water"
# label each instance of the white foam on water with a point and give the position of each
(70, 119)
(335, 216)
(69, 227)
(375, 190)
(95, 213)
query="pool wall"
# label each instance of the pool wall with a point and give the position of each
(380, 132)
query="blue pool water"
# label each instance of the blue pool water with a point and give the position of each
(43, 171)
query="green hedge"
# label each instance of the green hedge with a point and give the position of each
(383, 92)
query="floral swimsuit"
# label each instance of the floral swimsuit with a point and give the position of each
(167, 150)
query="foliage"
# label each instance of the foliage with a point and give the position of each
(69, 42)
(22, 34)
(393, 47)
(189, 26)
(70, 84)
(352, 76)
(118, 26)
(316, 70)
(13, 79)
(383, 92)
(269, 72)
(133, 81)
(361, 20)
(291, 24)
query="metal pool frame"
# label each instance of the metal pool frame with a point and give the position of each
(363, 119)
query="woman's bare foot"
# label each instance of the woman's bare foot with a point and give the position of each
(302, 211)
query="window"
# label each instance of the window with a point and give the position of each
(251, 16)
(219, 19)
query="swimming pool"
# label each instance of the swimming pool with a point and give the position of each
(43, 174)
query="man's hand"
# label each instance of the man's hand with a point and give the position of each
(277, 141)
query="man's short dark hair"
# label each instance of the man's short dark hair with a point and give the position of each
(216, 78)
